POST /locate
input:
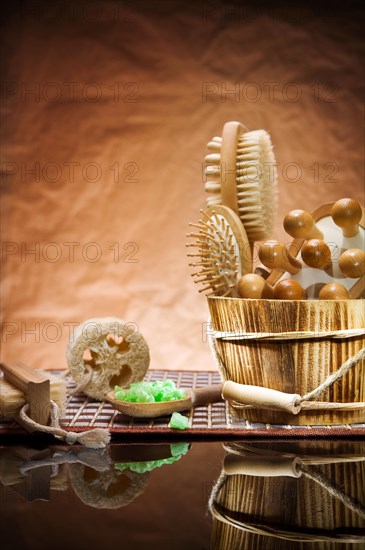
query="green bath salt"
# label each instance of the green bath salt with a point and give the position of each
(149, 392)
(177, 451)
(178, 421)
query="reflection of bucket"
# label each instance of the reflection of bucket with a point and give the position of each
(299, 360)
(323, 502)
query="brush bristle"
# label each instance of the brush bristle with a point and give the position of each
(256, 182)
(12, 399)
(218, 252)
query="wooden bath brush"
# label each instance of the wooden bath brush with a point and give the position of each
(223, 253)
(22, 385)
(36, 400)
(241, 172)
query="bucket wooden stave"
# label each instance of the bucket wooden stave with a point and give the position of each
(297, 365)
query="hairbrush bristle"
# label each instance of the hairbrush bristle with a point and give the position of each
(219, 252)
(255, 177)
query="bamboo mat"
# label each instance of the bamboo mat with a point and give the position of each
(213, 421)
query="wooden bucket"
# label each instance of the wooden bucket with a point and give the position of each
(292, 495)
(293, 347)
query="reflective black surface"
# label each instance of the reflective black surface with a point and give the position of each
(250, 495)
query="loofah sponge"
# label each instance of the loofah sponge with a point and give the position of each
(107, 352)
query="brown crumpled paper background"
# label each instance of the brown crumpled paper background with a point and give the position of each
(107, 109)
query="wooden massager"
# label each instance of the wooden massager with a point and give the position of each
(326, 258)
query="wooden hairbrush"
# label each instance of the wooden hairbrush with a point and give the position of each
(241, 171)
(223, 252)
(329, 243)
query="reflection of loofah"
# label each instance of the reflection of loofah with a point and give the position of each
(108, 489)
(112, 350)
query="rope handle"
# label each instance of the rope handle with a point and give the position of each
(97, 438)
(283, 532)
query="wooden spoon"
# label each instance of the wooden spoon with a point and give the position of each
(194, 398)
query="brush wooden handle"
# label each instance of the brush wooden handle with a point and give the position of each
(316, 253)
(275, 256)
(347, 213)
(36, 387)
(207, 394)
(289, 289)
(254, 286)
(230, 136)
(301, 225)
(263, 466)
(352, 263)
(261, 397)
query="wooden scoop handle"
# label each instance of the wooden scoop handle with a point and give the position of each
(207, 394)
(257, 396)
